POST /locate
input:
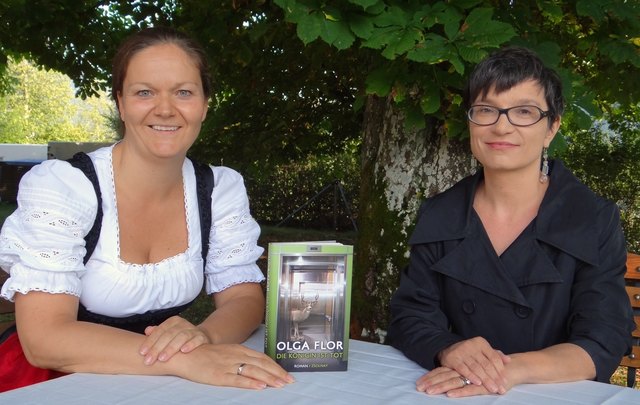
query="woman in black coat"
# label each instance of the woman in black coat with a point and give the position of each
(516, 273)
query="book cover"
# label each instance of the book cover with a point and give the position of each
(308, 305)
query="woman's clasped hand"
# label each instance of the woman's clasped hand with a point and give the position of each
(174, 335)
(469, 367)
(216, 364)
(233, 365)
(477, 361)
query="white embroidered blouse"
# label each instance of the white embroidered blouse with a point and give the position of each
(42, 242)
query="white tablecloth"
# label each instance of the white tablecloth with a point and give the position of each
(377, 374)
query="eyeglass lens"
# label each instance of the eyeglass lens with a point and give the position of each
(523, 115)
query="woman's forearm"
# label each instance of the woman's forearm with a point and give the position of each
(239, 311)
(52, 338)
(85, 347)
(559, 363)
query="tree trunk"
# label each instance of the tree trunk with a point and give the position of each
(400, 167)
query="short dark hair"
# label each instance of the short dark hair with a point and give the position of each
(154, 36)
(510, 66)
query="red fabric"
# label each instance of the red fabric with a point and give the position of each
(15, 370)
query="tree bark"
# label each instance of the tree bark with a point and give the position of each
(400, 167)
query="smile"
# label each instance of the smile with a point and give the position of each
(500, 145)
(163, 128)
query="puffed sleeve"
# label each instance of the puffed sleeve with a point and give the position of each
(233, 248)
(42, 241)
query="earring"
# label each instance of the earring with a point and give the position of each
(544, 172)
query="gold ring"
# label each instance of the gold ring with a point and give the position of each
(239, 371)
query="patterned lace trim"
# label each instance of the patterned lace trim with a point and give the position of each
(47, 218)
(44, 219)
(235, 221)
(242, 249)
(46, 290)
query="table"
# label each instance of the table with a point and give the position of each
(377, 374)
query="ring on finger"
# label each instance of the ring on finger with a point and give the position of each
(465, 381)
(240, 368)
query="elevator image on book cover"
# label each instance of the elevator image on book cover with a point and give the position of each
(308, 328)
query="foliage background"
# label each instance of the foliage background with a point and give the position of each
(300, 81)
(606, 157)
(39, 105)
(318, 192)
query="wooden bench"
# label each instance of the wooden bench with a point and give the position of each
(632, 280)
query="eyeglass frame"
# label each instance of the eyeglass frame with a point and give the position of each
(505, 111)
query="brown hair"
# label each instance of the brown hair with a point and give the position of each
(150, 37)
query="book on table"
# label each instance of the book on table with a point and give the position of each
(308, 305)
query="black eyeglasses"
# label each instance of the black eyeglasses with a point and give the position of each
(520, 116)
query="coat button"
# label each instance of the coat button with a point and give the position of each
(522, 312)
(468, 307)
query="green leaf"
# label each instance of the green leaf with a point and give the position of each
(456, 128)
(379, 82)
(361, 26)
(337, 33)
(456, 63)
(406, 41)
(332, 13)
(621, 52)
(425, 17)
(414, 118)
(399, 93)
(285, 4)
(432, 50)
(451, 18)
(558, 144)
(310, 27)
(359, 101)
(466, 4)
(365, 4)
(380, 37)
(295, 12)
(471, 54)
(480, 30)
(394, 16)
(591, 8)
(549, 52)
(377, 8)
(451, 29)
(430, 102)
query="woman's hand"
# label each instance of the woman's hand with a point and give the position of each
(232, 365)
(476, 360)
(174, 335)
(443, 380)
